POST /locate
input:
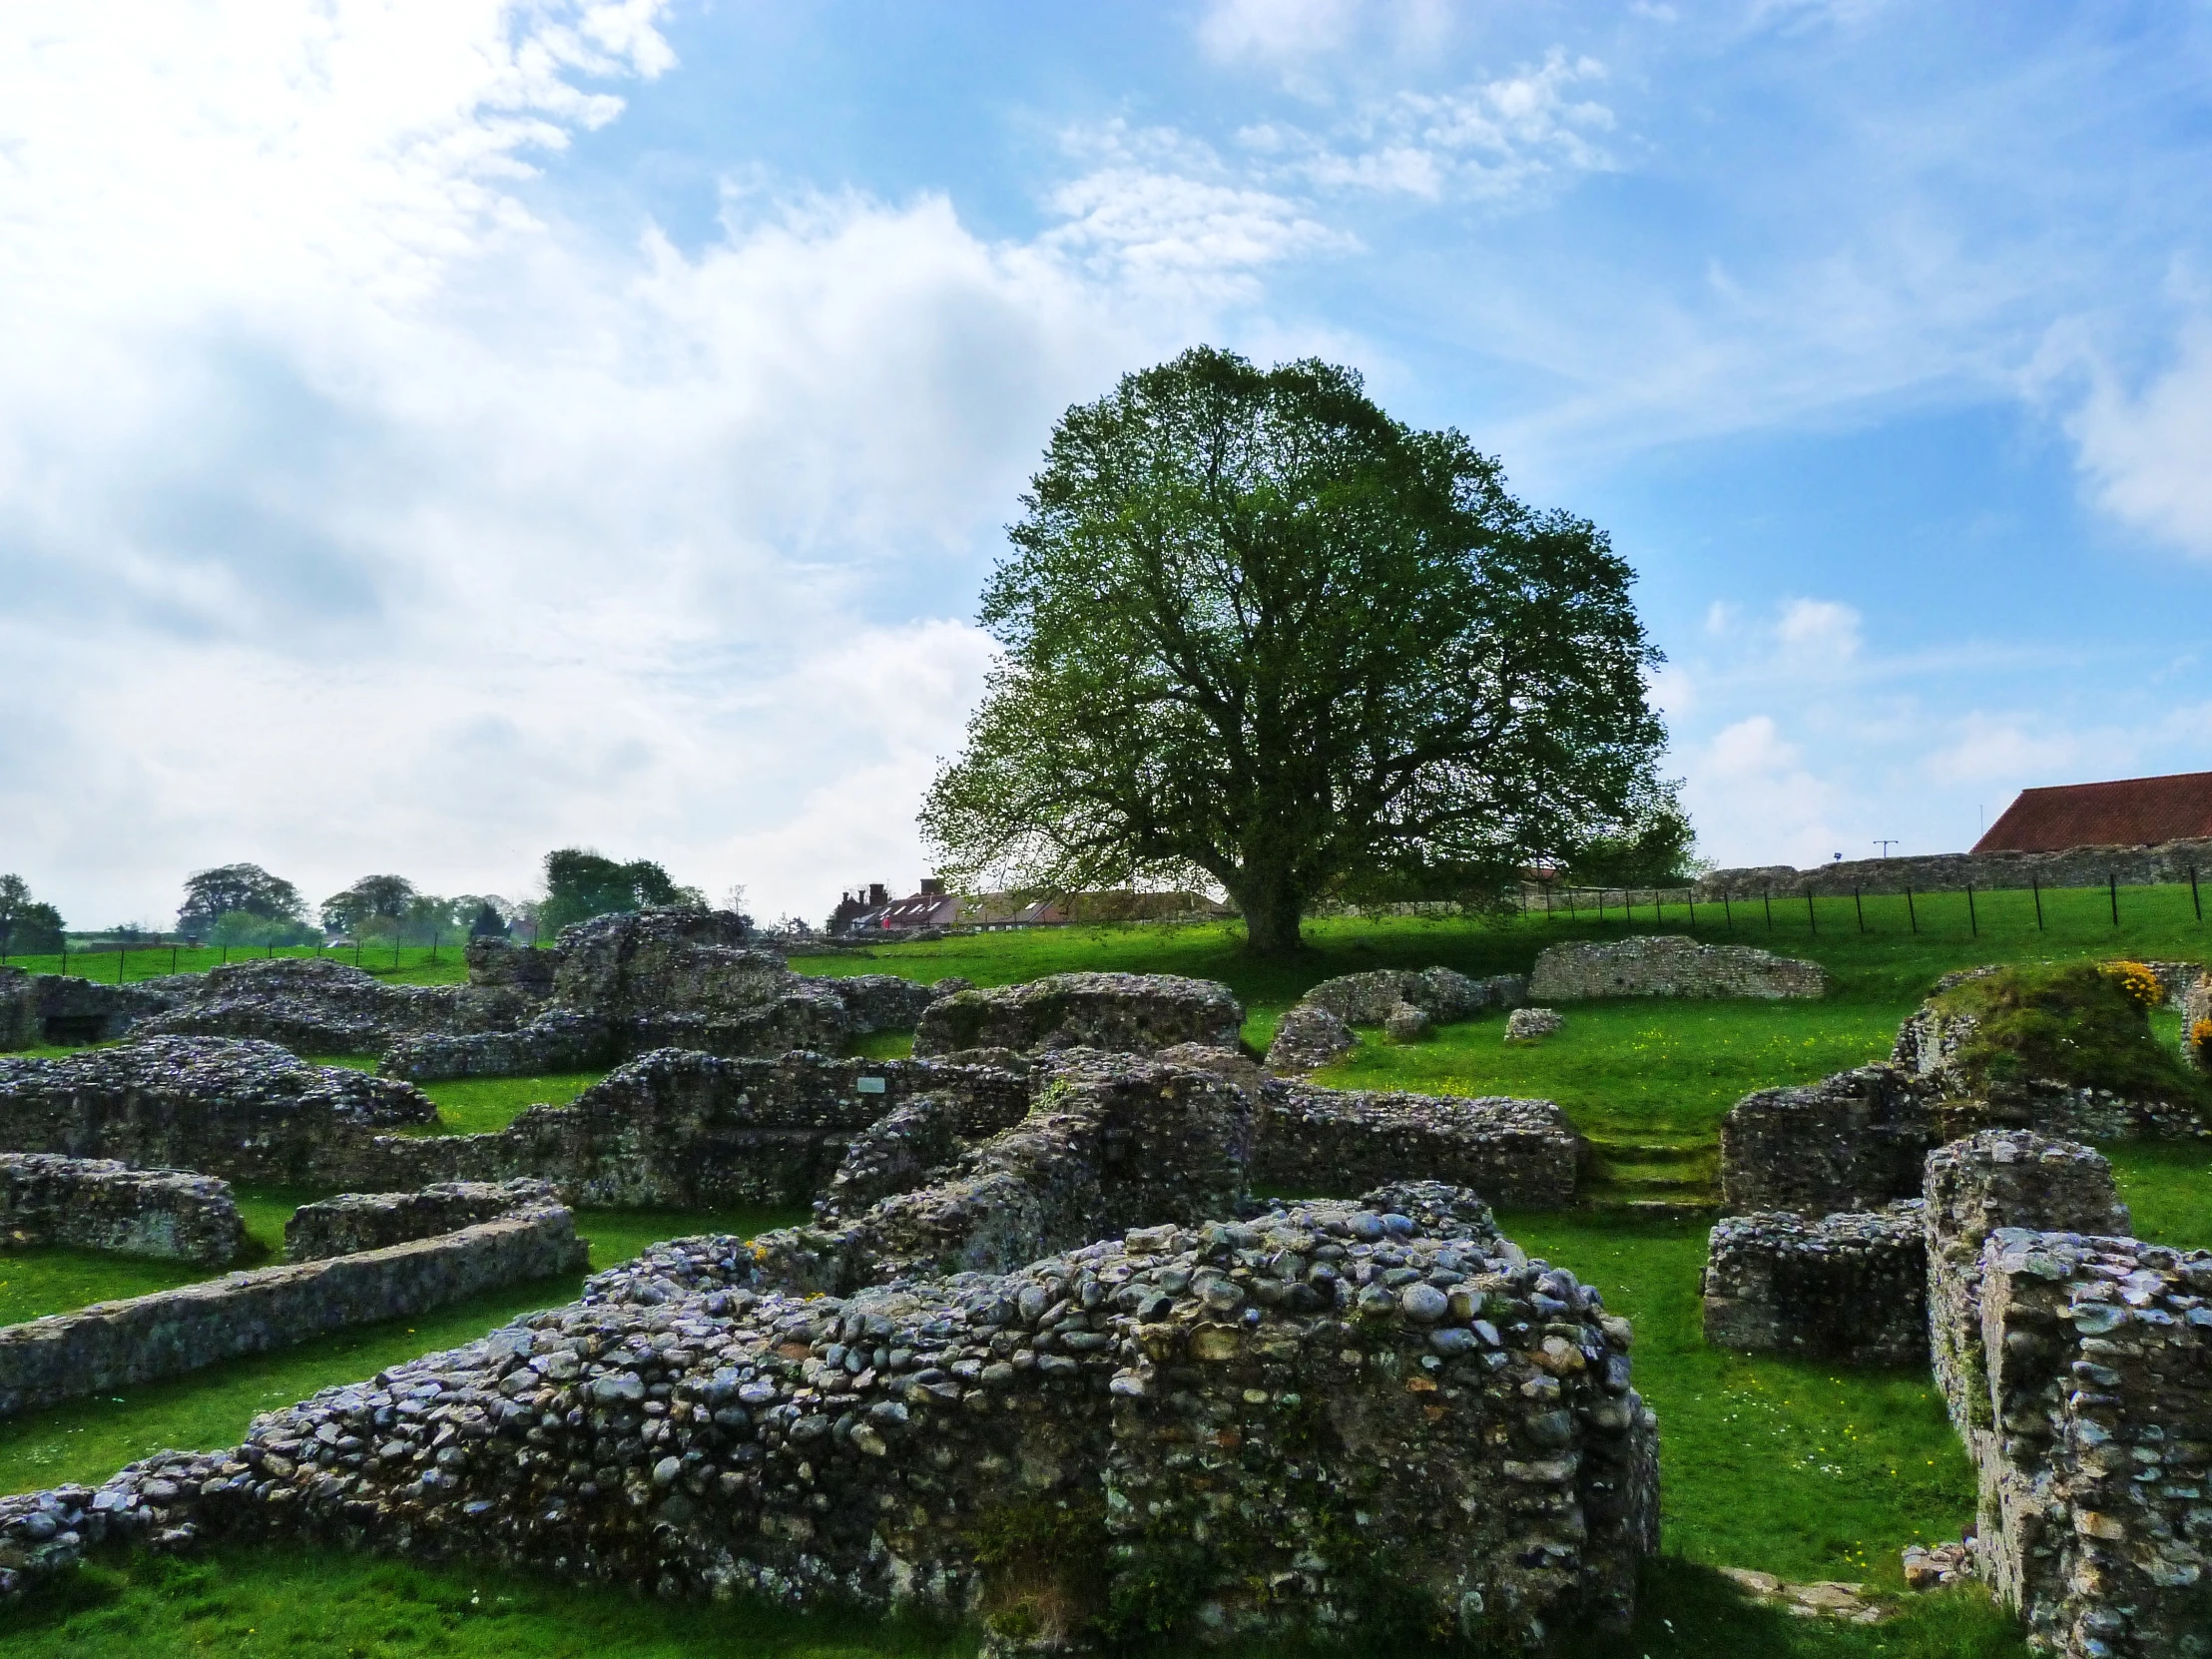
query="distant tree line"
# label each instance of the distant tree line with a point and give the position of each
(27, 927)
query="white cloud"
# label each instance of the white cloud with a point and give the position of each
(1276, 31)
(1989, 748)
(2148, 453)
(1822, 632)
(363, 512)
(1755, 801)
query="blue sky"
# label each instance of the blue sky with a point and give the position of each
(432, 432)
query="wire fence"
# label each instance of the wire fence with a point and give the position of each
(1967, 911)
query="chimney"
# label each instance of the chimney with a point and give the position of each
(878, 895)
(932, 886)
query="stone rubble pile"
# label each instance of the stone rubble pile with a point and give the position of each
(320, 1006)
(1445, 996)
(99, 1203)
(1309, 1037)
(1372, 1419)
(40, 1008)
(1670, 965)
(1526, 1024)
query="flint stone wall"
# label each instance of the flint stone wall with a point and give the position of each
(1854, 1141)
(98, 1204)
(2079, 866)
(1110, 1143)
(40, 1008)
(1519, 1153)
(114, 1345)
(2196, 1009)
(1851, 1288)
(354, 1222)
(2078, 1366)
(1438, 992)
(1125, 1013)
(1669, 964)
(246, 1110)
(1245, 1433)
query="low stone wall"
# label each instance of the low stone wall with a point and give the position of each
(1669, 964)
(40, 1008)
(244, 1110)
(114, 1345)
(2078, 1366)
(1438, 992)
(1854, 1141)
(1300, 1426)
(2079, 866)
(552, 1043)
(354, 1222)
(1124, 1012)
(1851, 1288)
(98, 1204)
(1518, 1153)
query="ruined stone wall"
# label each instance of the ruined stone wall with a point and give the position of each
(555, 1042)
(2081, 866)
(40, 1008)
(244, 1110)
(98, 1204)
(1124, 1012)
(1931, 1036)
(2077, 1364)
(1289, 1427)
(318, 1005)
(1854, 1141)
(353, 1221)
(1518, 1153)
(1851, 1286)
(114, 1345)
(1669, 964)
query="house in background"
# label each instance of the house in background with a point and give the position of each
(2131, 811)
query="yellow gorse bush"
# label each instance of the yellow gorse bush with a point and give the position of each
(2200, 1039)
(2139, 982)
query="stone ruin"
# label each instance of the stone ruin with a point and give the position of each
(707, 1420)
(244, 1109)
(320, 1006)
(354, 1222)
(1854, 1141)
(1136, 1013)
(1670, 965)
(1317, 1031)
(98, 1204)
(1371, 1418)
(2077, 1365)
(1851, 1286)
(1527, 1024)
(37, 1009)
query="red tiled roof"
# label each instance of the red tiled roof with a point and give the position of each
(2133, 811)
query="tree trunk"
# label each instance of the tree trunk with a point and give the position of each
(1272, 911)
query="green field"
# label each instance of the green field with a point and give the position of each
(1808, 1472)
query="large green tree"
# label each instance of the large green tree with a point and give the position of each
(1253, 627)
(27, 927)
(235, 889)
(580, 885)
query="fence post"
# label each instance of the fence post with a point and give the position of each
(1728, 911)
(1912, 915)
(2112, 884)
(122, 954)
(1859, 904)
(2195, 898)
(1973, 921)
(1766, 898)
(2036, 884)
(172, 958)
(1691, 894)
(1813, 920)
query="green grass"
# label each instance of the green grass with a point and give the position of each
(90, 1440)
(412, 965)
(484, 1105)
(249, 1602)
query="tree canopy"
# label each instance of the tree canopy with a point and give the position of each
(1255, 628)
(244, 889)
(580, 885)
(371, 897)
(27, 926)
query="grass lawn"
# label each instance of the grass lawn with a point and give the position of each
(410, 966)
